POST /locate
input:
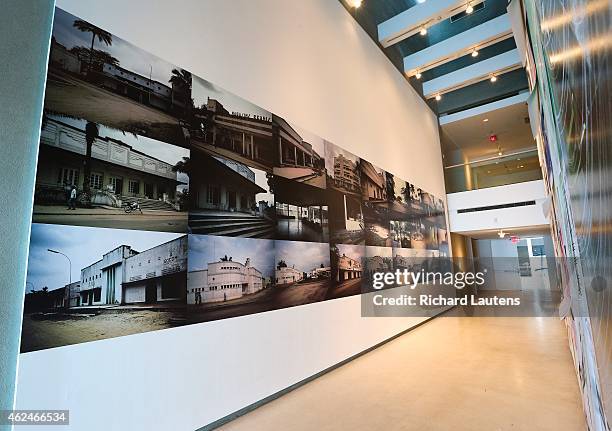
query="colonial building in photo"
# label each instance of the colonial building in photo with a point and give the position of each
(225, 198)
(125, 276)
(320, 273)
(118, 171)
(222, 281)
(260, 141)
(346, 174)
(348, 268)
(373, 183)
(287, 275)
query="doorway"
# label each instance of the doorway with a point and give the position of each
(151, 293)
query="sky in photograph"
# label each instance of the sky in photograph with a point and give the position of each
(355, 252)
(83, 246)
(205, 249)
(130, 57)
(202, 90)
(318, 143)
(160, 150)
(372, 251)
(262, 181)
(332, 151)
(305, 256)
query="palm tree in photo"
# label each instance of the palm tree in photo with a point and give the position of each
(183, 166)
(97, 58)
(181, 81)
(102, 35)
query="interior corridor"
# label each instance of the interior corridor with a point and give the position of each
(459, 373)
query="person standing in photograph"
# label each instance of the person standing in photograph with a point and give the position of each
(72, 199)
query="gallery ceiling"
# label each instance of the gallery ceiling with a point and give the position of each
(433, 42)
(510, 126)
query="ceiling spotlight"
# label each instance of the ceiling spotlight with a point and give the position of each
(475, 53)
(355, 3)
(423, 31)
(485, 120)
(501, 234)
(469, 9)
(418, 75)
(438, 97)
(493, 78)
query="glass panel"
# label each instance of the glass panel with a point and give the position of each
(500, 171)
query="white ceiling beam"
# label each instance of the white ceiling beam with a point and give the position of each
(475, 38)
(426, 14)
(483, 109)
(473, 73)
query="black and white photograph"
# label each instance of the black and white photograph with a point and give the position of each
(346, 221)
(93, 175)
(86, 284)
(226, 125)
(302, 211)
(229, 277)
(229, 198)
(97, 76)
(303, 273)
(347, 262)
(301, 154)
(377, 259)
(375, 204)
(343, 172)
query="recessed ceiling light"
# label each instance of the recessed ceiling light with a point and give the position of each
(418, 75)
(469, 9)
(499, 153)
(355, 3)
(423, 31)
(493, 78)
(438, 97)
(485, 120)
(475, 53)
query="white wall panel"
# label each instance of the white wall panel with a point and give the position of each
(311, 63)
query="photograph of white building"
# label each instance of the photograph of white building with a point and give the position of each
(287, 274)
(302, 273)
(232, 270)
(118, 281)
(123, 169)
(223, 281)
(346, 269)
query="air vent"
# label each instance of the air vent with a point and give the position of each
(477, 7)
(496, 207)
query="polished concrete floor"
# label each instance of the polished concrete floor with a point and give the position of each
(452, 373)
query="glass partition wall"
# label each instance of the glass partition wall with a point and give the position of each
(517, 167)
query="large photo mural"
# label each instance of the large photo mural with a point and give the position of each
(163, 200)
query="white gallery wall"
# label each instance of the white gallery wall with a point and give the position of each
(309, 62)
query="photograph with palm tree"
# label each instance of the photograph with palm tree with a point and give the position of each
(99, 77)
(114, 148)
(93, 175)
